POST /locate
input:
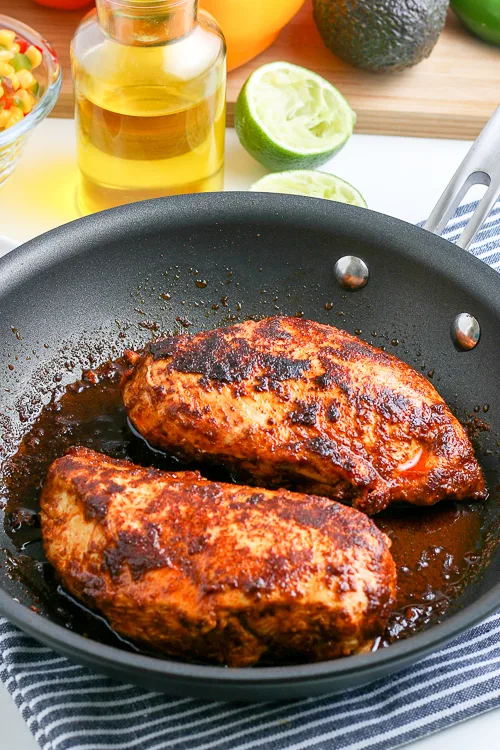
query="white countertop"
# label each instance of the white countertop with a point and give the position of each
(399, 176)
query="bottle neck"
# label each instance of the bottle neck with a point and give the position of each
(146, 23)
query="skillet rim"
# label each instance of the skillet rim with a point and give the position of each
(399, 654)
(436, 253)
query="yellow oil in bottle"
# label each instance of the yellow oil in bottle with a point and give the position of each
(150, 118)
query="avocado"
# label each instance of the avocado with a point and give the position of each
(380, 35)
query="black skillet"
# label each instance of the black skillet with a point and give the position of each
(83, 292)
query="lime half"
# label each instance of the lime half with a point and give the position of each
(288, 117)
(310, 183)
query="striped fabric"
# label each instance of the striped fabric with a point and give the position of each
(69, 707)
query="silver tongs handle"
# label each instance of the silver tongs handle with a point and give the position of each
(481, 166)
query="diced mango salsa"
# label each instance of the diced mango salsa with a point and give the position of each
(18, 86)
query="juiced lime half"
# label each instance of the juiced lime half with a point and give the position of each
(310, 183)
(288, 117)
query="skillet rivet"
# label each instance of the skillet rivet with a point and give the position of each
(465, 332)
(351, 273)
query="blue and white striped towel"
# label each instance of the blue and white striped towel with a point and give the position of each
(68, 707)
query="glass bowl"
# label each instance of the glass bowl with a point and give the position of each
(49, 77)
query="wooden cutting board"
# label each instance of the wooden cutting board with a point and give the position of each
(450, 95)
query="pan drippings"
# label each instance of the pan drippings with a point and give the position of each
(438, 551)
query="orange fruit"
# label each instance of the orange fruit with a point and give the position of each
(250, 25)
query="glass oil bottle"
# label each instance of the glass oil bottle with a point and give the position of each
(149, 79)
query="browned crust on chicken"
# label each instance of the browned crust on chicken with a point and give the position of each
(218, 572)
(291, 402)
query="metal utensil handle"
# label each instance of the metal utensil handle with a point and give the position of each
(481, 166)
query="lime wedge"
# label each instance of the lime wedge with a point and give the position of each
(310, 183)
(288, 117)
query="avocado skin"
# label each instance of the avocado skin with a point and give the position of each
(380, 35)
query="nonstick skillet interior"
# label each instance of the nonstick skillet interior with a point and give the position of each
(86, 291)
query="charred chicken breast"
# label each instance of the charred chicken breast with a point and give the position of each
(219, 572)
(291, 402)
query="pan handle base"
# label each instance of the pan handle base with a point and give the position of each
(481, 166)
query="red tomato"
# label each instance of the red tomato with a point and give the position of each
(23, 44)
(64, 4)
(8, 96)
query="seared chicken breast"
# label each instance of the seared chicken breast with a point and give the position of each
(215, 572)
(291, 402)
